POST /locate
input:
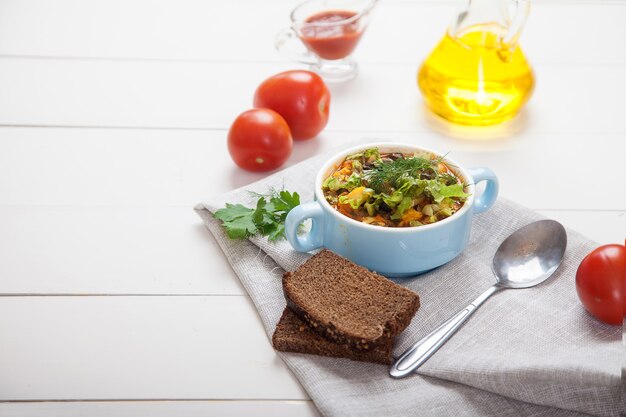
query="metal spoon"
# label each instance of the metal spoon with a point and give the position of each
(526, 258)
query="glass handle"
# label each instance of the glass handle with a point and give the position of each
(285, 43)
(521, 8)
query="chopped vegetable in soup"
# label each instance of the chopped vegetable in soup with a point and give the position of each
(394, 189)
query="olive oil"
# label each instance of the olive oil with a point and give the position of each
(473, 78)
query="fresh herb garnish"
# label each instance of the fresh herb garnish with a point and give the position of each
(267, 219)
(384, 176)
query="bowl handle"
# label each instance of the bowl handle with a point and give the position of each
(486, 200)
(314, 238)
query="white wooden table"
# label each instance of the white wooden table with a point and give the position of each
(114, 299)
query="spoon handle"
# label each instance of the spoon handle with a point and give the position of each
(423, 349)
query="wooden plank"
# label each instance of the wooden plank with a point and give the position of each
(146, 348)
(200, 30)
(145, 168)
(121, 167)
(110, 250)
(160, 250)
(161, 409)
(210, 95)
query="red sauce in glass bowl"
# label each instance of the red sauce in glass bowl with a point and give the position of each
(331, 41)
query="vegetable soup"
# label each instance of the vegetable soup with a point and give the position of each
(394, 189)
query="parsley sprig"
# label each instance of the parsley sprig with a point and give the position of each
(267, 219)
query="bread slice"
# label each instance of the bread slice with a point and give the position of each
(347, 303)
(293, 335)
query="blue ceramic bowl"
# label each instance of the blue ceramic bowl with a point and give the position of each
(394, 252)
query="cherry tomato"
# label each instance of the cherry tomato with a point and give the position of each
(301, 97)
(259, 140)
(600, 282)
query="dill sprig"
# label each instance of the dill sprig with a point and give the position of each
(270, 193)
(383, 176)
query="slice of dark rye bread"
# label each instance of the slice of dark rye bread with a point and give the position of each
(347, 303)
(294, 335)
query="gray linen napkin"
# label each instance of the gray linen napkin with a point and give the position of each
(527, 352)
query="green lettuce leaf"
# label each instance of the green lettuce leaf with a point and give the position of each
(333, 184)
(356, 201)
(393, 199)
(440, 191)
(405, 204)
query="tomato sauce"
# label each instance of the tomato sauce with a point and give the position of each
(334, 41)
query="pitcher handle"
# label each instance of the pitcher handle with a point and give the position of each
(488, 197)
(285, 44)
(314, 239)
(518, 19)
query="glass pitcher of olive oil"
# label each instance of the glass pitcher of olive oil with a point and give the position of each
(477, 75)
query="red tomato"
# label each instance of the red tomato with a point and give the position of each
(600, 282)
(259, 140)
(301, 97)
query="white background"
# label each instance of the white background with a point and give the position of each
(114, 299)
